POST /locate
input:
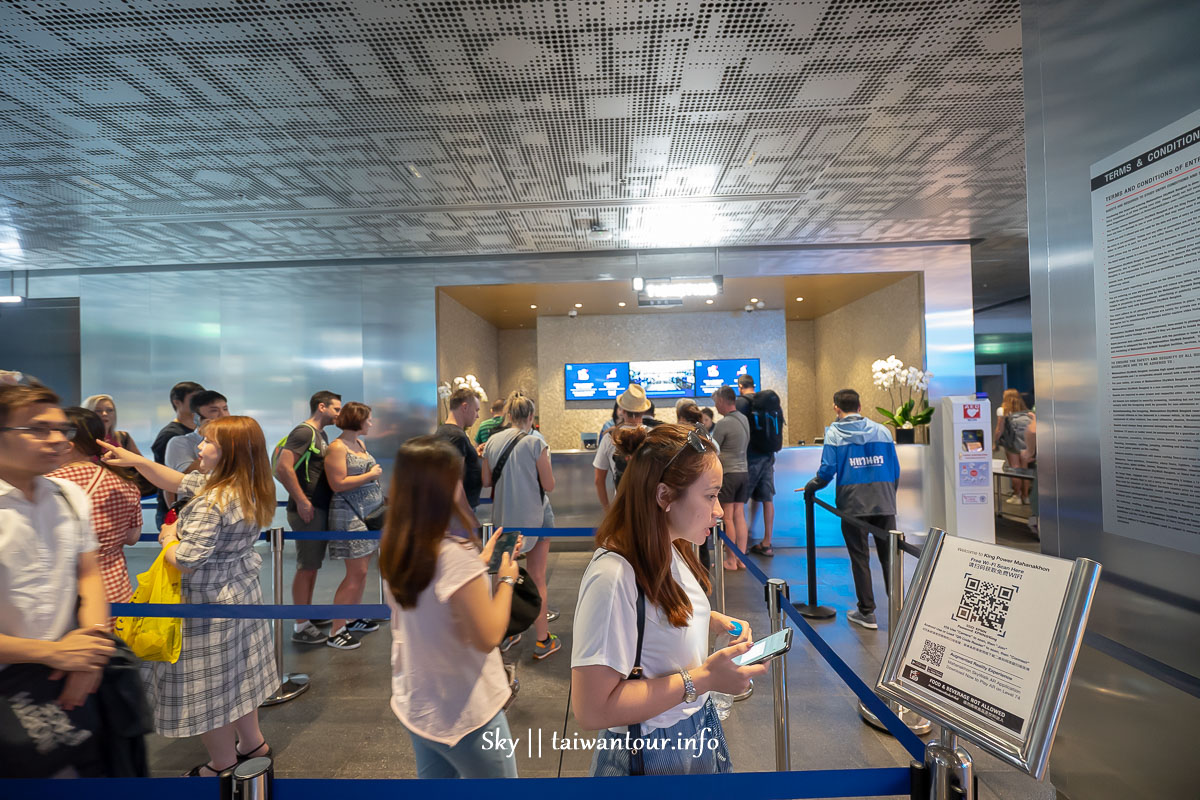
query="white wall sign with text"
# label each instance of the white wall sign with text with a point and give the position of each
(1146, 243)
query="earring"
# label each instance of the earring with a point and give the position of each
(668, 509)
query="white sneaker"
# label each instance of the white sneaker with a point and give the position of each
(1013, 501)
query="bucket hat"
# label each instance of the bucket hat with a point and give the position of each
(634, 399)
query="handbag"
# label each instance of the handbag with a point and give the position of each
(526, 604)
(155, 638)
(101, 738)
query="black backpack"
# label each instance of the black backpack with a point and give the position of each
(766, 422)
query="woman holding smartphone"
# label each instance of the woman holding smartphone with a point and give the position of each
(449, 687)
(644, 567)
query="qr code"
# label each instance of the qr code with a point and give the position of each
(932, 652)
(985, 603)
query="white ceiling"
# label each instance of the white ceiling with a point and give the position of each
(156, 133)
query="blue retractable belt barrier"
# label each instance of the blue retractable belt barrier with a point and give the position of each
(907, 739)
(874, 782)
(264, 611)
(560, 533)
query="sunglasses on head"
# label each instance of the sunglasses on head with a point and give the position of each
(695, 440)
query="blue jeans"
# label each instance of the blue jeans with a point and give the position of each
(468, 758)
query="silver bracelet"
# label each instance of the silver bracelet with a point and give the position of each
(510, 580)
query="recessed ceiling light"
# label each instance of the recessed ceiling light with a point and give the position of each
(416, 173)
(709, 301)
(799, 299)
(533, 305)
(621, 304)
(579, 305)
(753, 299)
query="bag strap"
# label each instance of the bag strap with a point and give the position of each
(503, 459)
(637, 765)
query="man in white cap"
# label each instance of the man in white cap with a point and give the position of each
(633, 405)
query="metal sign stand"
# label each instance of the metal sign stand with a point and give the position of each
(948, 772)
(292, 685)
(915, 722)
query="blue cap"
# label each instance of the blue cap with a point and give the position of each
(735, 628)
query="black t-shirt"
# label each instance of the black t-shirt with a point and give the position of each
(472, 469)
(159, 449)
(311, 473)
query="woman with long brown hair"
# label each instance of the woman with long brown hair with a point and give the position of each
(226, 668)
(665, 503)
(115, 502)
(449, 687)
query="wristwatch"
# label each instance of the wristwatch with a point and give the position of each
(689, 688)
(510, 580)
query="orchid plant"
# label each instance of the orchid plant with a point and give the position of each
(906, 384)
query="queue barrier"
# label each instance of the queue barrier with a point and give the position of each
(295, 536)
(756, 786)
(869, 782)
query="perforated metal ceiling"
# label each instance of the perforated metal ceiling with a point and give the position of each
(135, 132)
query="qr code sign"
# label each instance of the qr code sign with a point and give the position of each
(985, 603)
(932, 652)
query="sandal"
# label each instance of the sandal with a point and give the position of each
(198, 771)
(264, 747)
(759, 550)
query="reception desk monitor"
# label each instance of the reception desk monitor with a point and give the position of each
(664, 378)
(603, 381)
(711, 375)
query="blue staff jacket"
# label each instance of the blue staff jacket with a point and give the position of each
(862, 456)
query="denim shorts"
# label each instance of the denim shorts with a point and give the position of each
(692, 746)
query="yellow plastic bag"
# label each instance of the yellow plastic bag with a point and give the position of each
(155, 638)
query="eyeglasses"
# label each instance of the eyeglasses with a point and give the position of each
(695, 439)
(44, 431)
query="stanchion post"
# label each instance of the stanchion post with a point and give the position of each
(777, 595)
(950, 773)
(895, 571)
(719, 567)
(253, 779)
(290, 686)
(812, 609)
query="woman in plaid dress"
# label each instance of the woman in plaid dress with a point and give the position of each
(226, 668)
(116, 503)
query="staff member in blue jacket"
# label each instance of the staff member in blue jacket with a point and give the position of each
(862, 455)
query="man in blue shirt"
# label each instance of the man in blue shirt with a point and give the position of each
(862, 456)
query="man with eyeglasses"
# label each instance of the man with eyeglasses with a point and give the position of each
(53, 610)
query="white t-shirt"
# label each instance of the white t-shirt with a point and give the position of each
(605, 630)
(40, 544)
(442, 687)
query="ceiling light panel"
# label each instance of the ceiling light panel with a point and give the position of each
(221, 132)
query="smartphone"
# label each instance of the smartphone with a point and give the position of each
(505, 544)
(764, 649)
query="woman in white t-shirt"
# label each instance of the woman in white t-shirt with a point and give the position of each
(667, 501)
(449, 687)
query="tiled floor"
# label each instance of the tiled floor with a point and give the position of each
(343, 728)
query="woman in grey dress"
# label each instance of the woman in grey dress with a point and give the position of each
(519, 500)
(354, 477)
(226, 667)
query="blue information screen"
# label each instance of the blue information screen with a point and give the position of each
(711, 375)
(595, 381)
(664, 378)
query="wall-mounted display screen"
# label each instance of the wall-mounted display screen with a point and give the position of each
(711, 375)
(595, 381)
(664, 378)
